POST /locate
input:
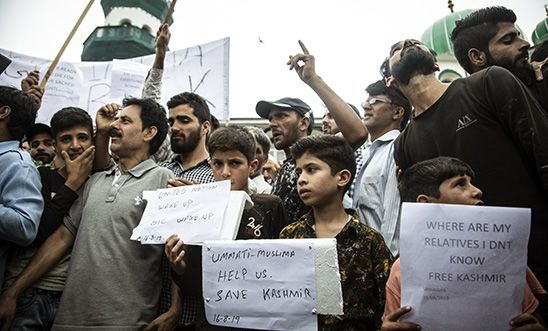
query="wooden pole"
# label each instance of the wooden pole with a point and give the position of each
(170, 11)
(71, 34)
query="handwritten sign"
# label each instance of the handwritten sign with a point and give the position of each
(195, 212)
(127, 79)
(260, 284)
(466, 262)
(202, 69)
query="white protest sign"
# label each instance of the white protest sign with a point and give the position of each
(202, 69)
(463, 267)
(127, 79)
(64, 86)
(194, 212)
(260, 284)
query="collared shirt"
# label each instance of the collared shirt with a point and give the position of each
(364, 264)
(126, 274)
(261, 185)
(21, 202)
(376, 197)
(285, 187)
(202, 174)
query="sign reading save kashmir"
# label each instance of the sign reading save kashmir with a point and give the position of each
(261, 284)
(463, 267)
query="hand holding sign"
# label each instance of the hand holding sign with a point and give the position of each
(175, 250)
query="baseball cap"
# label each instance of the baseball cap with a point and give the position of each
(263, 108)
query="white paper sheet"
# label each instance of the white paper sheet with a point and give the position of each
(463, 267)
(270, 284)
(195, 212)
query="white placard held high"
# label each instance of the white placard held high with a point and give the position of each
(463, 267)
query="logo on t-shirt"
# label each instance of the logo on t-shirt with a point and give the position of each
(465, 121)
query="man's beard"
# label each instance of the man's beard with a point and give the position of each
(413, 61)
(523, 70)
(188, 143)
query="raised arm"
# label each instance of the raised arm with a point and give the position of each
(153, 82)
(349, 123)
(105, 115)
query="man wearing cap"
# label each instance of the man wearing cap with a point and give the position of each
(42, 144)
(290, 119)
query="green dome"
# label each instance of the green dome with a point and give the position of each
(438, 36)
(541, 32)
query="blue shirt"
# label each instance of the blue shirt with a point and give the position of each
(376, 197)
(21, 202)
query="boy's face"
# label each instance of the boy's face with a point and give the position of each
(73, 141)
(316, 184)
(459, 190)
(232, 165)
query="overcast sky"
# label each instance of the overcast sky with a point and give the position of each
(349, 38)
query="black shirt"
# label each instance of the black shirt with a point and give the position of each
(492, 122)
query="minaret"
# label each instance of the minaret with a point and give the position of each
(129, 30)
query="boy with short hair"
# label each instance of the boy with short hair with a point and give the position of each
(232, 157)
(326, 166)
(36, 306)
(446, 180)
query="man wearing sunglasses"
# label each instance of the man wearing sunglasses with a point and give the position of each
(376, 197)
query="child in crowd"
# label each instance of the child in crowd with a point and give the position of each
(447, 180)
(326, 167)
(232, 157)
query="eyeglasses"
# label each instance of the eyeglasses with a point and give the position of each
(374, 101)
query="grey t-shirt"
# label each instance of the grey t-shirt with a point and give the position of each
(113, 282)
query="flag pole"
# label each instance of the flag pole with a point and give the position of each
(71, 34)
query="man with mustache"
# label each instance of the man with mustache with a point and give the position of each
(489, 121)
(290, 119)
(41, 143)
(123, 290)
(489, 37)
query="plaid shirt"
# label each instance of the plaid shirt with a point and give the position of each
(202, 174)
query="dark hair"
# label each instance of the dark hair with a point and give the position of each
(426, 177)
(23, 110)
(199, 106)
(476, 30)
(540, 52)
(232, 138)
(69, 117)
(396, 97)
(261, 137)
(36, 129)
(152, 114)
(331, 149)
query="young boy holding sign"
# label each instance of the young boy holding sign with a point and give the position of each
(447, 180)
(232, 157)
(326, 167)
